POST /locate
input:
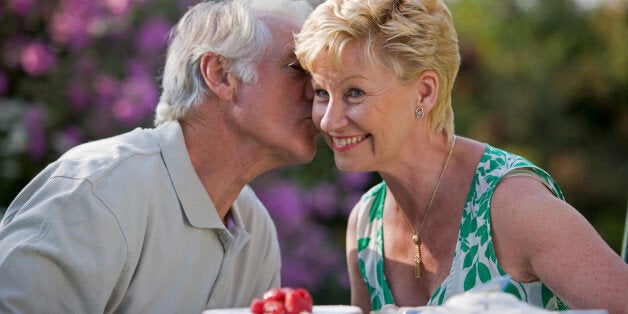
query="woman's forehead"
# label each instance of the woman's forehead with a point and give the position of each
(352, 57)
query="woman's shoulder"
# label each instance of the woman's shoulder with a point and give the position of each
(371, 195)
(495, 158)
(369, 205)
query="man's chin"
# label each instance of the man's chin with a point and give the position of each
(308, 156)
(304, 154)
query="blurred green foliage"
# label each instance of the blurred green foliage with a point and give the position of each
(549, 80)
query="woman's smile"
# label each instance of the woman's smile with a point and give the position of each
(345, 143)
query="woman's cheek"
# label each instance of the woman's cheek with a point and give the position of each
(318, 111)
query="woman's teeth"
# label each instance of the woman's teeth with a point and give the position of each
(348, 140)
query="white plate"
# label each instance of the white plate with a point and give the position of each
(316, 309)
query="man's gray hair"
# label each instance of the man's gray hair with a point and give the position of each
(230, 28)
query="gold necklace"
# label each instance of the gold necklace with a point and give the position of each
(416, 236)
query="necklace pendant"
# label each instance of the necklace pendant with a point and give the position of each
(417, 267)
(417, 256)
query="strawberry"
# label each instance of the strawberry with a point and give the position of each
(273, 307)
(283, 301)
(298, 301)
(257, 306)
(275, 294)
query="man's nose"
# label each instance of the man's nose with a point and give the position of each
(309, 92)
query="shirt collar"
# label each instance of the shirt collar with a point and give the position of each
(237, 234)
(197, 206)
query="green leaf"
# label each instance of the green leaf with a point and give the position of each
(483, 272)
(362, 267)
(441, 299)
(469, 279)
(490, 253)
(377, 305)
(474, 225)
(377, 209)
(483, 234)
(363, 243)
(464, 244)
(470, 257)
(510, 288)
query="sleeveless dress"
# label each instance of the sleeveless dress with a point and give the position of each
(474, 259)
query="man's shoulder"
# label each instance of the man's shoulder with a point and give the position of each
(249, 204)
(92, 160)
(94, 174)
(252, 210)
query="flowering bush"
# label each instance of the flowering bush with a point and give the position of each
(75, 70)
(311, 223)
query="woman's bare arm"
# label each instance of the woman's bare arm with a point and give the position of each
(537, 235)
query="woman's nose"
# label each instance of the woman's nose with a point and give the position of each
(333, 117)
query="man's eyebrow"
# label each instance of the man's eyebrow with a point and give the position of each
(290, 55)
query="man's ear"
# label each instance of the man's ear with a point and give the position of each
(217, 79)
(427, 87)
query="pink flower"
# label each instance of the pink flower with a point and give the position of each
(106, 86)
(38, 58)
(153, 35)
(70, 24)
(21, 7)
(138, 94)
(123, 109)
(107, 90)
(117, 7)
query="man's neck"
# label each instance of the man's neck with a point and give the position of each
(223, 162)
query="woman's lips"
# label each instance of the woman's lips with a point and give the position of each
(347, 142)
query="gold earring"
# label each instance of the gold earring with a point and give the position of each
(418, 112)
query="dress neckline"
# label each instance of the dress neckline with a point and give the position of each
(464, 209)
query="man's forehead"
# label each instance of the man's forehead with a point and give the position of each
(279, 55)
(282, 49)
(282, 30)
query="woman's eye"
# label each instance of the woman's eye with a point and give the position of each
(354, 92)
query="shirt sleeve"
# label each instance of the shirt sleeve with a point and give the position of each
(61, 250)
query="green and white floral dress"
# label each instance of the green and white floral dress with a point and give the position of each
(474, 259)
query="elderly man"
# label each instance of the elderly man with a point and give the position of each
(162, 220)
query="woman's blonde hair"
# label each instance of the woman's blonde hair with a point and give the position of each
(407, 36)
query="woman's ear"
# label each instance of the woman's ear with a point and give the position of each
(427, 86)
(217, 79)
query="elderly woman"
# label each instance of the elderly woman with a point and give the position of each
(451, 212)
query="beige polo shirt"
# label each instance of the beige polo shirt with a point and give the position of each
(125, 225)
